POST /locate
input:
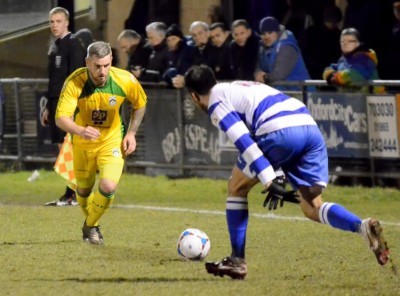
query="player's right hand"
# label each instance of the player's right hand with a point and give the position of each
(278, 195)
(90, 133)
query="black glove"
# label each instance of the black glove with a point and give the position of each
(278, 194)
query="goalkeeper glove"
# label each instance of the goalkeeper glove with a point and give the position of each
(277, 195)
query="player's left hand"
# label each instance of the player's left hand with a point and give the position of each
(278, 195)
(129, 143)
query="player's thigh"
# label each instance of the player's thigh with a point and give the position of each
(110, 163)
(239, 185)
(85, 167)
(312, 168)
(306, 163)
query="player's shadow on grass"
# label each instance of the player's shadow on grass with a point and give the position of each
(135, 280)
(37, 243)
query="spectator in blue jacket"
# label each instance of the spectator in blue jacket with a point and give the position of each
(279, 57)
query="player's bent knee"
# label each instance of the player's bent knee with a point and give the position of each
(107, 186)
(309, 193)
(84, 192)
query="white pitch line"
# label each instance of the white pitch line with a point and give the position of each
(262, 216)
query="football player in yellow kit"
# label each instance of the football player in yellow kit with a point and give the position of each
(89, 109)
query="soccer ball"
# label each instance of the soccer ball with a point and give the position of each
(193, 244)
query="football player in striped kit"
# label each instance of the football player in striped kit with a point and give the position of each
(272, 130)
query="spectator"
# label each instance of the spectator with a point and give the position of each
(243, 50)
(356, 65)
(279, 55)
(158, 59)
(367, 17)
(132, 44)
(322, 46)
(66, 54)
(392, 56)
(205, 50)
(297, 20)
(215, 15)
(181, 54)
(205, 53)
(85, 36)
(221, 38)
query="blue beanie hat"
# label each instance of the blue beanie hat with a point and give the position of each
(269, 24)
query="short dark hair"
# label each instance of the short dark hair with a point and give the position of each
(200, 79)
(240, 22)
(222, 26)
(129, 34)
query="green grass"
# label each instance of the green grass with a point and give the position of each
(41, 252)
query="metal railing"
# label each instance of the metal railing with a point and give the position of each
(21, 140)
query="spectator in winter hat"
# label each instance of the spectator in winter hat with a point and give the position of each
(180, 55)
(279, 56)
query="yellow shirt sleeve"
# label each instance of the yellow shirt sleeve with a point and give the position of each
(136, 94)
(68, 100)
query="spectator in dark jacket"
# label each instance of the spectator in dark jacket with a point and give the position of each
(205, 50)
(221, 38)
(205, 53)
(158, 60)
(391, 54)
(181, 54)
(322, 46)
(243, 50)
(132, 44)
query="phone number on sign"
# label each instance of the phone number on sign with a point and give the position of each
(381, 145)
(381, 109)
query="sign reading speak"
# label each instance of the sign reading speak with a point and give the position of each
(382, 127)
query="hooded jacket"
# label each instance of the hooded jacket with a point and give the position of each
(358, 66)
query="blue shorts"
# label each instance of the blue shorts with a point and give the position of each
(301, 153)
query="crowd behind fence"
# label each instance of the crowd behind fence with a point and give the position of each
(176, 139)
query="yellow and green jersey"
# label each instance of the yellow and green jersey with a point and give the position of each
(99, 107)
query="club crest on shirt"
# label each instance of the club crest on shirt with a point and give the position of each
(112, 100)
(215, 121)
(58, 61)
(115, 152)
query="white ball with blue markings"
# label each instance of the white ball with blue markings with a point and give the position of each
(193, 244)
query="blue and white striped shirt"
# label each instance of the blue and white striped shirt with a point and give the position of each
(246, 110)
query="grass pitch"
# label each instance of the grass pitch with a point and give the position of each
(41, 252)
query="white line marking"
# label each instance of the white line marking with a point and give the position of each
(209, 212)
